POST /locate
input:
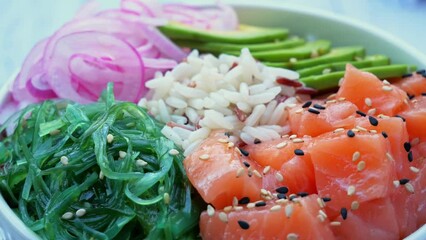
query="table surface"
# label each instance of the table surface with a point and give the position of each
(24, 22)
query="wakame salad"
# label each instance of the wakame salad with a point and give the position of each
(106, 161)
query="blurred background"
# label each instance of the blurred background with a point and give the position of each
(24, 22)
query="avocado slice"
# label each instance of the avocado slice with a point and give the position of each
(331, 80)
(244, 35)
(369, 61)
(218, 48)
(335, 55)
(318, 47)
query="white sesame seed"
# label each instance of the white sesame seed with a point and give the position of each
(341, 99)
(299, 110)
(326, 70)
(275, 208)
(204, 157)
(234, 201)
(354, 205)
(223, 217)
(389, 157)
(279, 177)
(251, 205)
(240, 172)
(285, 136)
(223, 140)
(292, 236)
(210, 210)
(396, 183)
(64, 160)
(231, 144)
(80, 212)
(386, 82)
(387, 88)
(321, 202)
(355, 130)
(293, 60)
(281, 201)
(293, 136)
(288, 210)
(414, 169)
(368, 102)
(409, 187)
(372, 111)
(238, 208)
(382, 116)
(322, 213)
(338, 130)
(110, 138)
(291, 105)
(266, 169)
(67, 215)
(298, 140)
(331, 96)
(361, 128)
(173, 152)
(101, 175)
(122, 154)
(373, 131)
(263, 191)
(335, 223)
(257, 174)
(415, 141)
(360, 166)
(356, 156)
(227, 208)
(321, 218)
(330, 101)
(141, 163)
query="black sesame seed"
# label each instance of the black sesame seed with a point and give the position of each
(410, 156)
(385, 135)
(423, 94)
(344, 213)
(228, 134)
(350, 133)
(281, 196)
(407, 75)
(361, 113)
(244, 200)
(283, 190)
(314, 111)
(407, 146)
(320, 107)
(260, 204)
(292, 197)
(326, 199)
(243, 224)
(373, 121)
(302, 194)
(410, 96)
(246, 164)
(421, 71)
(244, 152)
(307, 104)
(403, 181)
(299, 152)
(257, 141)
(403, 119)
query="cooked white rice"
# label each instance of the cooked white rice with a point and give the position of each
(205, 93)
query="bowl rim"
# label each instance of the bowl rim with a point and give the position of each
(7, 213)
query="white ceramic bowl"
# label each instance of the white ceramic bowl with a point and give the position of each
(305, 22)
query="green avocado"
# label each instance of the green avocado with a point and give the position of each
(244, 35)
(317, 48)
(335, 55)
(369, 61)
(331, 80)
(231, 48)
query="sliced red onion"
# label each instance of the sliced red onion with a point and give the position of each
(145, 8)
(132, 16)
(89, 60)
(164, 44)
(88, 10)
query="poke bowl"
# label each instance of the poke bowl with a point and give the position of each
(308, 25)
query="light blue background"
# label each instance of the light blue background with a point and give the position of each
(24, 22)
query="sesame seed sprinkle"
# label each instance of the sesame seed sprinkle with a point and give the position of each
(350, 134)
(322, 213)
(166, 198)
(275, 208)
(293, 136)
(403, 181)
(338, 130)
(385, 135)
(246, 164)
(141, 163)
(243, 224)
(223, 140)
(409, 187)
(326, 199)
(204, 157)
(386, 82)
(263, 191)
(240, 172)
(260, 204)
(414, 169)
(320, 202)
(281, 145)
(368, 102)
(227, 208)
(244, 200)
(407, 146)
(344, 213)
(64, 160)
(410, 156)
(299, 152)
(292, 236)
(356, 156)
(231, 145)
(389, 156)
(288, 210)
(266, 169)
(282, 190)
(257, 174)
(281, 196)
(297, 140)
(101, 175)
(361, 128)
(362, 114)
(335, 223)
(341, 99)
(279, 177)
(396, 183)
(257, 141)
(360, 166)
(173, 152)
(314, 111)
(321, 218)
(80, 212)
(331, 96)
(307, 104)
(238, 208)
(372, 111)
(122, 154)
(223, 217)
(67, 216)
(110, 138)
(210, 210)
(354, 205)
(234, 201)
(373, 131)
(319, 107)
(251, 205)
(351, 190)
(387, 88)
(373, 121)
(244, 152)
